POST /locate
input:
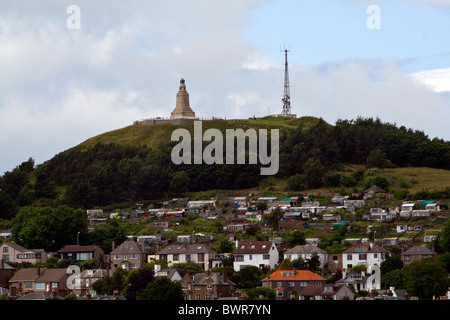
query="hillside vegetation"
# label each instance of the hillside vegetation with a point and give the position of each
(134, 164)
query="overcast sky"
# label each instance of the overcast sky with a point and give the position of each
(62, 82)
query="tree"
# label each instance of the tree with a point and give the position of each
(162, 289)
(260, 293)
(137, 281)
(274, 218)
(427, 278)
(190, 266)
(47, 227)
(295, 238)
(286, 264)
(377, 159)
(394, 262)
(314, 262)
(179, 183)
(248, 277)
(314, 173)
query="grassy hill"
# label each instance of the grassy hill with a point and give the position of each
(158, 136)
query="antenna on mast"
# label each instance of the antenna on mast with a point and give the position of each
(287, 93)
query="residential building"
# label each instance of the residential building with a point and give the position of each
(128, 256)
(24, 280)
(361, 281)
(262, 254)
(6, 272)
(82, 253)
(83, 285)
(52, 280)
(15, 253)
(181, 253)
(364, 253)
(305, 252)
(172, 274)
(286, 282)
(207, 286)
(325, 292)
(417, 253)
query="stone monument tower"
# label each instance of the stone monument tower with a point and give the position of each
(182, 108)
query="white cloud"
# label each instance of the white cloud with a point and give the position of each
(437, 80)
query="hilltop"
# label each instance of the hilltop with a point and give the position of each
(158, 136)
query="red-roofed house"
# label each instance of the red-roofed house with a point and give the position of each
(284, 282)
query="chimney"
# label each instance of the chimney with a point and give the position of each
(224, 276)
(293, 269)
(38, 271)
(207, 273)
(113, 245)
(12, 291)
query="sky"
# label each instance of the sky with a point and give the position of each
(71, 70)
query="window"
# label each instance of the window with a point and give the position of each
(280, 293)
(349, 257)
(116, 256)
(134, 256)
(197, 297)
(40, 286)
(303, 283)
(278, 284)
(5, 257)
(266, 257)
(291, 284)
(5, 249)
(250, 257)
(362, 256)
(176, 257)
(407, 258)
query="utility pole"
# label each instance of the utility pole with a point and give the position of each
(287, 94)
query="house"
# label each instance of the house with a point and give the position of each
(53, 280)
(374, 190)
(128, 256)
(262, 254)
(406, 209)
(82, 253)
(6, 272)
(82, 286)
(207, 286)
(417, 253)
(24, 280)
(15, 253)
(172, 274)
(181, 253)
(361, 281)
(41, 296)
(331, 217)
(364, 253)
(305, 252)
(285, 282)
(402, 228)
(325, 292)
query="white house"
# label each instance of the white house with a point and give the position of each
(305, 252)
(364, 253)
(262, 254)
